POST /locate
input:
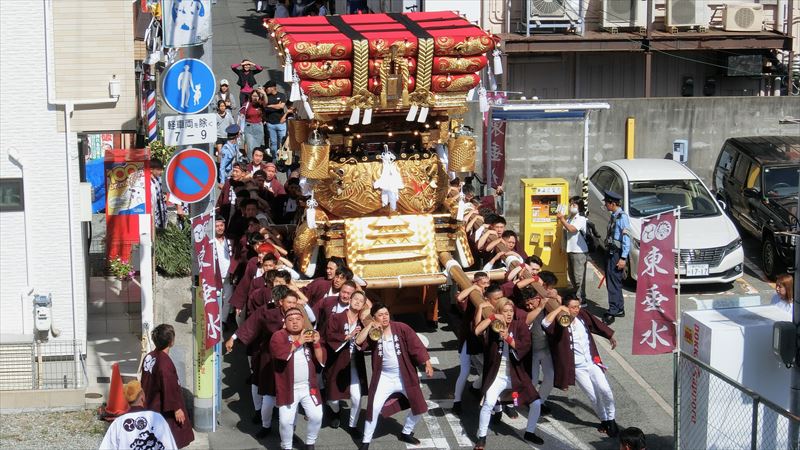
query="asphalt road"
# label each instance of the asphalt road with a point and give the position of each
(642, 385)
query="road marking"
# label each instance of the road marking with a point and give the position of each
(437, 375)
(424, 340)
(423, 443)
(454, 422)
(636, 377)
(435, 360)
(748, 288)
(561, 430)
(434, 429)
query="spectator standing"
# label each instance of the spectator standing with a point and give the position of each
(151, 430)
(246, 71)
(253, 122)
(618, 246)
(282, 9)
(224, 120)
(357, 6)
(784, 295)
(228, 154)
(162, 391)
(575, 231)
(224, 93)
(275, 109)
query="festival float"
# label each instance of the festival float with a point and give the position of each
(381, 125)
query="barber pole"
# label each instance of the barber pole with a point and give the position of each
(152, 121)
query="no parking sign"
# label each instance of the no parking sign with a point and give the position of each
(191, 175)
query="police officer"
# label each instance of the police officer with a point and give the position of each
(618, 246)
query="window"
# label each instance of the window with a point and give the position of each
(11, 195)
(602, 179)
(742, 170)
(726, 158)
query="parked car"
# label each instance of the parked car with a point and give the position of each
(710, 245)
(757, 179)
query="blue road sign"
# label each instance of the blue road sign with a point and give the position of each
(191, 175)
(188, 86)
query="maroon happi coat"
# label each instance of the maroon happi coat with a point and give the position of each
(520, 379)
(260, 294)
(256, 333)
(163, 394)
(316, 290)
(412, 354)
(282, 353)
(560, 341)
(337, 367)
(466, 331)
(324, 309)
(239, 297)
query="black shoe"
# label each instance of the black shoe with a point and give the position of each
(545, 410)
(619, 314)
(364, 446)
(510, 411)
(456, 408)
(310, 447)
(256, 417)
(603, 428)
(480, 444)
(533, 438)
(335, 422)
(613, 428)
(409, 438)
(608, 319)
(497, 418)
(263, 433)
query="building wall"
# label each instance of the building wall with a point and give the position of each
(555, 149)
(29, 129)
(93, 41)
(620, 75)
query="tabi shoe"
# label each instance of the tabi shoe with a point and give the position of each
(409, 438)
(532, 437)
(613, 428)
(256, 417)
(510, 411)
(480, 444)
(364, 446)
(263, 433)
(603, 428)
(456, 408)
(608, 319)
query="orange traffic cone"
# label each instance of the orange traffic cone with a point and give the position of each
(116, 404)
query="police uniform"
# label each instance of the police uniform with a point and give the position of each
(618, 246)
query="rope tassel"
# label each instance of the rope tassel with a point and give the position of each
(367, 116)
(354, 116)
(288, 69)
(412, 113)
(498, 62)
(295, 93)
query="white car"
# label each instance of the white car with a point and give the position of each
(711, 248)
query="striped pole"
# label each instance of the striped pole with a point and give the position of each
(585, 192)
(152, 122)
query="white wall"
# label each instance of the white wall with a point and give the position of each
(28, 125)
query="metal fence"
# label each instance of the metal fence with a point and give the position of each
(717, 412)
(47, 365)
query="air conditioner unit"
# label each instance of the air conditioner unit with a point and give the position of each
(743, 17)
(624, 13)
(550, 9)
(686, 13)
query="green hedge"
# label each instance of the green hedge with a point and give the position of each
(173, 251)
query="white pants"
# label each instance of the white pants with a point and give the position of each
(545, 360)
(355, 397)
(387, 385)
(591, 379)
(288, 414)
(465, 362)
(500, 384)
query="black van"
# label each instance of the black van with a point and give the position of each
(757, 179)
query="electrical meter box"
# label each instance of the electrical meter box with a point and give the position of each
(540, 231)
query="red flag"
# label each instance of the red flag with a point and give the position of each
(204, 253)
(654, 319)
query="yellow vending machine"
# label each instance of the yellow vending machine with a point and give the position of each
(540, 232)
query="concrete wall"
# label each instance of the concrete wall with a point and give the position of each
(554, 149)
(38, 257)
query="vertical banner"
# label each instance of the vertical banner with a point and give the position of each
(654, 319)
(186, 23)
(494, 143)
(204, 359)
(202, 226)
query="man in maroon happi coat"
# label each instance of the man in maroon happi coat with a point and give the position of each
(161, 388)
(256, 332)
(320, 287)
(345, 371)
(297, 354)
(337, 304)
(395, 384)
(576, 360)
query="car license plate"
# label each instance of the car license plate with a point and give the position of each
(696, 270)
